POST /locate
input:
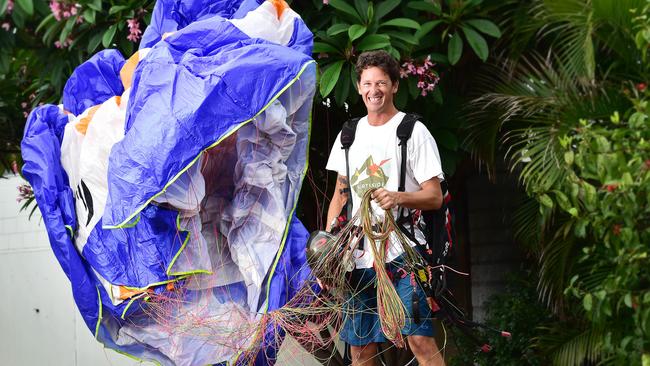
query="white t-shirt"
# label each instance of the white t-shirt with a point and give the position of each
(375, 160)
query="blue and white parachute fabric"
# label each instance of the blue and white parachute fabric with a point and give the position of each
(168, 182)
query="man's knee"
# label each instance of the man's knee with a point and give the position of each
(425, 350)
(363, 355)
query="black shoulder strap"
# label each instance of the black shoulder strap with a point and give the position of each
(347, 138)
(404, 131)
(348, 132)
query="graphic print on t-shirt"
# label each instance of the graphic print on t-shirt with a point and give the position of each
(369, 176)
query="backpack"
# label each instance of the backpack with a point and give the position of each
(438, 226)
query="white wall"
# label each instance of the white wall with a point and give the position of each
(39, 322)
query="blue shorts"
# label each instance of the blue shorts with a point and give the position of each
(361, 325)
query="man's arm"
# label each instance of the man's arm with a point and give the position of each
(429, 197)
(339, 199)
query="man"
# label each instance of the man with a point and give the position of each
(374, 162)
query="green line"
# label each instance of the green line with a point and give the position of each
(99, 315)
(139, 209)
(135, 357)
(70, 230)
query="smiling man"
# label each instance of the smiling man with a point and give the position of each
(374, 162)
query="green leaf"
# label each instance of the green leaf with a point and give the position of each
(362, 8)
(373, 42)
(477, 42)
(342, 89)
(628, 300)
(401, 22)
(545, 200)
(393, 52)
(95, 5)
(385, 7)
(117, 8)
(485, 26)
(587, 302)
(426, 28)
(329, 77)
(27, 6)
(337, 29)
(89, 16)
(455, 49)
(18, 16)
(47, 20)
(427, 6)
(324, 47)
(370, 12)
(108, 35)
(94, 41)
(356, 31)
(569, 157)
(345, 8)
(69, 24)
(573, 212)
(408, 38)
(3, 7)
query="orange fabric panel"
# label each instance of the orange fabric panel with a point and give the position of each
(126, 73)
(280, 6)
(82, 126)
(126, 293)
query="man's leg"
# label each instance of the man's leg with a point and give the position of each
(426, 350)
(364, 355)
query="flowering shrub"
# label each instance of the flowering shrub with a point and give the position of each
(427, 77)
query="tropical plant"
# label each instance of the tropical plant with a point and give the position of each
(571, 127)
(516, 309)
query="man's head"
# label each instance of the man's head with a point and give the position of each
(380, 59)
(377, 81)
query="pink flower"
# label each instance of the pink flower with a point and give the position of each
(55, 8)
(403, 73)
(421, 84)
(326, 2)
(6, 26)
(420, 70)
(73, 10)
(24, 192)
(10, 6)
(23, 104)
(411, 68)
(134, 30)
(14, 167)
(427, 62)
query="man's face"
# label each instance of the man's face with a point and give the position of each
(377, 90)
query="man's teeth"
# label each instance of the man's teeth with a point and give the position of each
(374, 99)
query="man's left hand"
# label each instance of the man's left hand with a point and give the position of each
(385, 199)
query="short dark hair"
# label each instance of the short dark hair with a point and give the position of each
(380, 59)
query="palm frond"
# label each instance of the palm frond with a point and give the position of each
(573, 344)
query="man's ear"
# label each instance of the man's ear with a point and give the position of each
(395, 86)
(359, 87)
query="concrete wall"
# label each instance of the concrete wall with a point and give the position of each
(39, 322)
(493, 253)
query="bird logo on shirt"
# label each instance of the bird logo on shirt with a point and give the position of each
(370, 175)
